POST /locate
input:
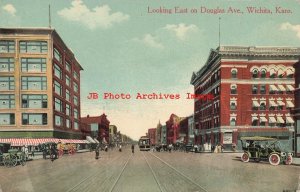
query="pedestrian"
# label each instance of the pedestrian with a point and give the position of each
(106, 148)
(97, 151)
(132, 148)
(120, 148)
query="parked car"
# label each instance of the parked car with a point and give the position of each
(265, 148)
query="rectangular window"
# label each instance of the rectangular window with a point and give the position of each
(75, 100)
(254, 89)
(7, 64)
(33, 64)
(7, 46)
(57, 55)
(58, 121)
(67, 80)
(75, 87)
(68, 123)
(76, 114)
(262, 89)
(76, 126)
(7, 119)
(7, 101)
(57, 71)
(68, 95)
(57, 88)
(33, 47)
(34, 101)
(58, 105)
(68, 110)
(7, 83)
(75, 75)
(68, 66)
(34, 119)
(34, 83)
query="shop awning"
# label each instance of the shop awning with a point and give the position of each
(96, 140)
(272, 103)
(289, 120)
(281, 87)
(37, 141)
(272, 120)
(263, 119)
(273, 88)
(255, 104)
(280, 119)
(290, 87)
(290, 104)
(280, 103)
(254, 118)
(91, 140)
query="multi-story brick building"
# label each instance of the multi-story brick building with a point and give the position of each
(99, 127)
(172, 126)
(183, 131)
(158, 133)
(39, 84)
(297, 108)
(253, 94)
(113, 134)
(152, 136)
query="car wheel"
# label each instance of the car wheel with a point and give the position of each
(274, 159)
(245, 157)
(289, 160)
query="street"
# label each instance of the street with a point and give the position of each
(148, 171)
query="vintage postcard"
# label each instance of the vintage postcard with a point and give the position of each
(150, 95)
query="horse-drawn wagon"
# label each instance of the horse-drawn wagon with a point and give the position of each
(11, 157)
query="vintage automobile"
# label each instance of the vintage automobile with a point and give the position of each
(265, 148)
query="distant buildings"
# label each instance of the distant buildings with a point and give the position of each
(99, 127)
(39, 85)
(253, 94)
(297, 109)
(152, 136)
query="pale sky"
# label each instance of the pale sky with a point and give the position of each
(125, 49)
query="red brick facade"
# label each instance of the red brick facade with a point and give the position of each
(253, 94)
(152, 136)
(297, 108)
(103, 126)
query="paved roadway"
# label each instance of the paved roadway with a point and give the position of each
(149, 171)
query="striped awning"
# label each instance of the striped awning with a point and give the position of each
(255, 104)
(263, 119)
(290, 104)
(290, 87)
(280, 103)
(272, 120)
(281, 87)
(280, 119)
(37, 141)
(289, 120)
(273, 104)
(273, 88)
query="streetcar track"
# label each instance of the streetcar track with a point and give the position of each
(178, 172)
(118, 178)
(154, 175)
(79, 184)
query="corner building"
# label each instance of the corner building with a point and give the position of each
(253, 94)
(39, 85)
(297, 109)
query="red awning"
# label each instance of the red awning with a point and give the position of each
(37, 141)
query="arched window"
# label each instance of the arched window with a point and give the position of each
(232, 121)
(255, 73)
(263, 73)
(272, 73)
(280, 73)
(254, 121)
(289, 73)
(233, 89)
(234, 73)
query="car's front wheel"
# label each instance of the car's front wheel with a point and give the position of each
(245, 157)
(274, 159)
(289, 160)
